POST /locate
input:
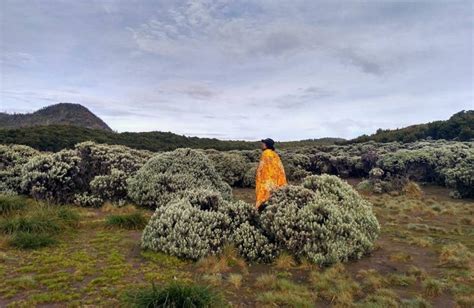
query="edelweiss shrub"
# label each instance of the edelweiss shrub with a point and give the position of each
(100, 159)
(230, 166)
(461, 178)
(189, 227)
(168, 175)
(12, 158)
(296, 165)
(252, 244)
(55, 177)
(324, 220)
(250, 175)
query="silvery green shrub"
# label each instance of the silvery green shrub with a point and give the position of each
(252, 244)
(250, 175)
(12, 158)
(87, 199)
(100, 159)
(324, 220)
(111, 187)
(296, 165)
(461, 178)
(230, 166)
(189, 227)
(167, 175)
(54, 177)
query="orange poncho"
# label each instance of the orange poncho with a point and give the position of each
(270, 175)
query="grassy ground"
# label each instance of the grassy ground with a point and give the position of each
(423, 257)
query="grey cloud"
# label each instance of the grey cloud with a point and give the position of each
(238, 68)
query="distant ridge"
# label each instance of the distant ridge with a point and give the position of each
(58, 114)
(460, 126)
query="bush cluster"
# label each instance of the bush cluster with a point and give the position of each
(325, 221)
(169, 175)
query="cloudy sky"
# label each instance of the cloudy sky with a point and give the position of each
(241, 69)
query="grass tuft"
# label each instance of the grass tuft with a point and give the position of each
(285, 261)
(11, 204)
(173, 295)
(456, 255)
(432, 287)
(24, 240)
(132, 221)
(335, 285)
(235, 280)
(413, 190)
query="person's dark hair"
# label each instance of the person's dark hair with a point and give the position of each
(269, 143)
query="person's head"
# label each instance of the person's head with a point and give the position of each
(268, 144)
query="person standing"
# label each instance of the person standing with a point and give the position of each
(270, 172)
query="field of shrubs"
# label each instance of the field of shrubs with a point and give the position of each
(367, 224)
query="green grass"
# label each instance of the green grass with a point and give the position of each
(174, 295)
(42, 219)
(39, 226)
(133, 221)
(25, 240)
(11, 204)
(34, 224)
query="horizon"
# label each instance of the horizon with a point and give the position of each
(241, 70)
(223, 139)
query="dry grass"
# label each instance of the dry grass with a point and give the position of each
(235, 280)
(456, 255)
(285, 261)
(212, 264)
(432, 287)
(109, 207)
(227, 260)
(413, 190)
(401, 257)
(265, 281)
(371, 280)
(335, 285)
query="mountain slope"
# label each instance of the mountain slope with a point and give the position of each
(58, 114)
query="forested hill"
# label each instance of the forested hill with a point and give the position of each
(58, 114)
(459, 126)
(57, 137)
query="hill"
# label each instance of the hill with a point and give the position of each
(58, 114)
(58, 137)
(459, 126)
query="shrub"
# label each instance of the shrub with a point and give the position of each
(325, 220)
(230, 166)
(10, 204)
(12, 158)
(253, 245)
(100, 159)
(173, 295)
(296, 166)
(133, 221)
(25, 240)
(250, 175)
(461, 178)
(111, 187)
(189, 227)
(87, 199)
(53, 177)
(169, 175)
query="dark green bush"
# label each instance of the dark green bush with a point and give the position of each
(133, 221)
(174, 295)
